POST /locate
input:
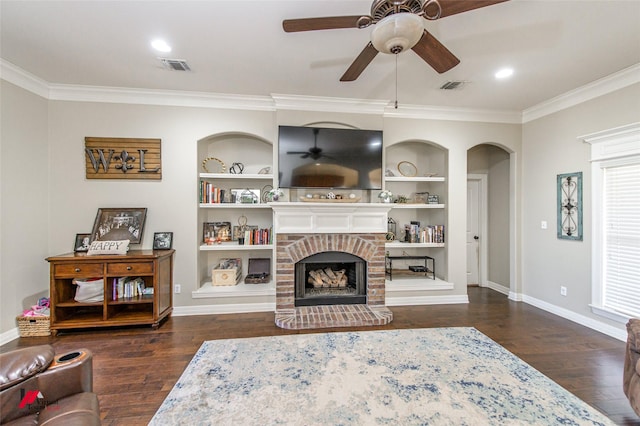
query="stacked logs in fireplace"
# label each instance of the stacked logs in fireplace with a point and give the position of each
(330, 278)
(327, 277)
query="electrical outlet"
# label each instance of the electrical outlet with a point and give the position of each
(543, 224)
(563, 291)
(176, 289)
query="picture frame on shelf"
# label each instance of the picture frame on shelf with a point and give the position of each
(162, 240)
(83, 241)
(119, 224)
(216, 232)
(238, 231)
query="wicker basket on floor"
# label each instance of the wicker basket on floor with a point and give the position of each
(34, 326)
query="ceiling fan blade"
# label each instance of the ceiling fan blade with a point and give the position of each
(453, 7)
(326, 23)
(434, 53)
(364, 58)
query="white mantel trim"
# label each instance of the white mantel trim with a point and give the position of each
(329, 218)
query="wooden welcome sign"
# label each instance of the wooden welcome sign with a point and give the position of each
(122, 158)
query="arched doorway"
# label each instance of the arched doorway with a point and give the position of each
(488, 217)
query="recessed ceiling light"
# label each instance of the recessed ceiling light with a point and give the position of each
(161, 46)
(504, 73)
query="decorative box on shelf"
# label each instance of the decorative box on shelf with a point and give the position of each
(227, 272)
(259, 271)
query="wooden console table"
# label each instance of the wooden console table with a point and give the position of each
(153, 267)
(389, 264)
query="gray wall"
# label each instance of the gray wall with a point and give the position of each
(24, 206)
(551, 147)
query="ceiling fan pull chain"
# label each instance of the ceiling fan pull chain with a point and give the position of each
(396, 104)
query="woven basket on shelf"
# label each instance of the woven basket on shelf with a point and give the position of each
(33, 326)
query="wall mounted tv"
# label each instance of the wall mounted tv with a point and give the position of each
(315, 157)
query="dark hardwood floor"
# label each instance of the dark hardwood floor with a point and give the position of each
(135, 368)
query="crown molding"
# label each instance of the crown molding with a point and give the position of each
(23, 79)
(63, 92)
(603, 86)
(453, 114)
(319, 103)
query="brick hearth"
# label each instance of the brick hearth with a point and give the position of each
(290, 248)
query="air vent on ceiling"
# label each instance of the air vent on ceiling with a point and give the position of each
(175, 64)
(452, 85)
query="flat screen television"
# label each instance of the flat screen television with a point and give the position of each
(315, 157)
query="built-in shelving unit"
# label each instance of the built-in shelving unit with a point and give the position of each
(256, 175)
(427, 178)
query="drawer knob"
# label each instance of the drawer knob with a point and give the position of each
(77, 269)
(129, 268)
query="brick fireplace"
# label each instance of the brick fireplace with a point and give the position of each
(304, 230)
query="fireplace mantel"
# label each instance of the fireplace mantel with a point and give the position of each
(329, 218)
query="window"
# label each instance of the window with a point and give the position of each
(621, 251)
(615, 156)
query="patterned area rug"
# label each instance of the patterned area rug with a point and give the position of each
(442, 376)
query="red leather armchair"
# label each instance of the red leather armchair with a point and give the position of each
(39, 387)
(631, 377)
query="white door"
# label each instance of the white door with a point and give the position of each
(473, 229)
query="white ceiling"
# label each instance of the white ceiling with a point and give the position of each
(239, 47)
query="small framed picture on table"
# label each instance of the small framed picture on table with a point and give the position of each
(162, 240)
(83, 241)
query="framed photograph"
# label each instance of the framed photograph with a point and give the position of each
(245, 196)
(569, 189)
(216, 232)
(162, 240)
(238, 231)
(83, 241)
(119, 224)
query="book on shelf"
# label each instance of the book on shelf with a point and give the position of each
(259, 236)
(426, 234)
(127, 287)
(210, 194)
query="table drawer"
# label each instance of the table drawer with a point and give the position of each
(78, 269)
(130, 268)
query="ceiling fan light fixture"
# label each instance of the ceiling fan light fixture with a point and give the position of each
(397, 33)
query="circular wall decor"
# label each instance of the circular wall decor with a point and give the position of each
(407, 169)
(221, 165)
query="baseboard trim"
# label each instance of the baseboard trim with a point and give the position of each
(426, 300)
(498, 287)
(236, 308)
(616, 333)
(9, 335)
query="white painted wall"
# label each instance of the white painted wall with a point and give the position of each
(24, 215)
(550, 147)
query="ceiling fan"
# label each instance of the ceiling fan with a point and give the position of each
(314, 152)
(399, 27)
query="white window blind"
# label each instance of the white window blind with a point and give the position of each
(621, 220)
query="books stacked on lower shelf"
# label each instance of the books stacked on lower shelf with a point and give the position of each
(256, 237)
(426, 234)
(127, 287)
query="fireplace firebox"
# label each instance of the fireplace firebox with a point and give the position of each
(330, 278)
